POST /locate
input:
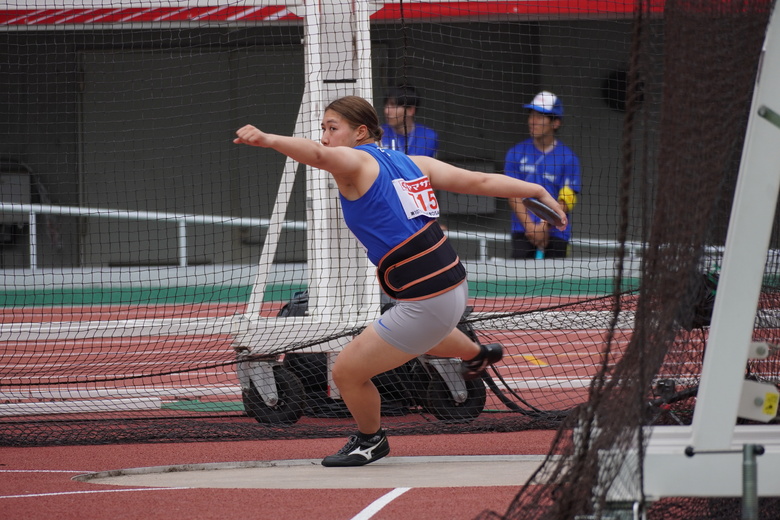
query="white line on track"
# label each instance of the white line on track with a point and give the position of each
(35, 495)
(41, 471)
(379, 503)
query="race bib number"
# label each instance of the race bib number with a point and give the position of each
(417, 197)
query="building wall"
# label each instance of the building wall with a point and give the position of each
(143, 120)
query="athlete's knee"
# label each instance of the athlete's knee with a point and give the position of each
(340, 374)
(345, 374)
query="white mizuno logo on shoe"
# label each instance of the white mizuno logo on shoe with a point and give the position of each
(367, 452)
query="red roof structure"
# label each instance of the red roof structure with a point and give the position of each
(165, 13)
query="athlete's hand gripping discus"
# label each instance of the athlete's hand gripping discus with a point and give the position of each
(543, 211)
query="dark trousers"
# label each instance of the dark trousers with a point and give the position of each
(523, 248)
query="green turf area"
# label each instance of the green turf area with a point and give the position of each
(238, 294)
(546, 287)
(198, 406)
(140, 295)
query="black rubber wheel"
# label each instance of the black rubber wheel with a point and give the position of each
(440, 404)
(291, 403)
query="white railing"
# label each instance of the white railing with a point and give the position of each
(181, 219)
(634, 249)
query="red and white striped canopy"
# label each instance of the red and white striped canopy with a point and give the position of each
(167, 12)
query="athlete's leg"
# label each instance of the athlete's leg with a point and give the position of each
(476, 358)
(404, 332)
(364, 357)
(456, 344)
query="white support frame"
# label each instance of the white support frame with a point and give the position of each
(713, 438)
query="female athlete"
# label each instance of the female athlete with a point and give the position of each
(389, 204)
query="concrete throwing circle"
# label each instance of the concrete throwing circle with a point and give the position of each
(390, 472)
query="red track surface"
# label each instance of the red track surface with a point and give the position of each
(36, 483)
(546, 365)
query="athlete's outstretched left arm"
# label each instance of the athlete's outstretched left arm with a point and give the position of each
(446, 177)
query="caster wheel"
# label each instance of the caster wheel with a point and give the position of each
(439, 401)
(291, 400)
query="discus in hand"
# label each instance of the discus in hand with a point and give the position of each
(543, 211)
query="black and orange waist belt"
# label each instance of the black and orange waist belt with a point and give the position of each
(423, 266)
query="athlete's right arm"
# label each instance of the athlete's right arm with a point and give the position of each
(340, 161)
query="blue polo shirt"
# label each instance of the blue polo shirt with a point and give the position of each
(555, 169)
(422, 140)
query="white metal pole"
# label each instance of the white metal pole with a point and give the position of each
(747, 242)
(271, 242)
(182, 243)
(33, 242)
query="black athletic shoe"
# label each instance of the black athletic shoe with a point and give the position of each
(489, 354)
(359, 453)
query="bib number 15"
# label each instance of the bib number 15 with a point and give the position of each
(417, 197)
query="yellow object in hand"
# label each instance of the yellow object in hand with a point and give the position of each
(568, 197)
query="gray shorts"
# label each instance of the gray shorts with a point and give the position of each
(415, 327)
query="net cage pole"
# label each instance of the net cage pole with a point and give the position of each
(705, 459)
(342, 292)
(341, 278)
(336, 47)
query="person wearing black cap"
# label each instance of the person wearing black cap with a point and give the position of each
(401, 131)
(544, 160)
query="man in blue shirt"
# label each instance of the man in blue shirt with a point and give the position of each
(401, 132)
(543, 159)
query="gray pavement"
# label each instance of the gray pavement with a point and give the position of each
(390, 472)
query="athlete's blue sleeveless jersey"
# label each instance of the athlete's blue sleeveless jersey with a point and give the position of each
(379, 219)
